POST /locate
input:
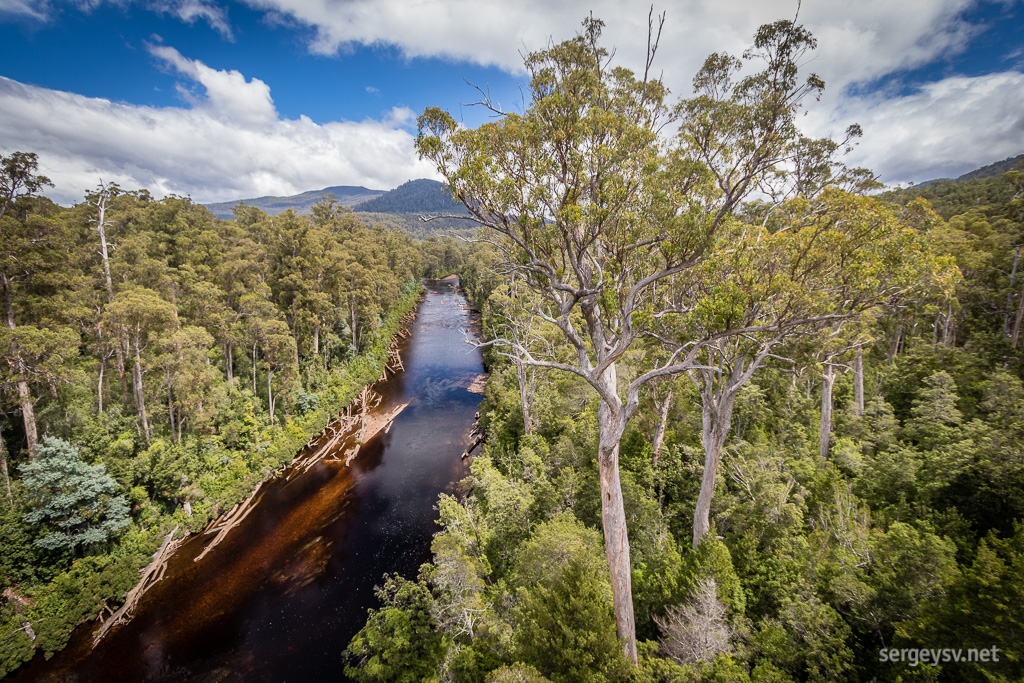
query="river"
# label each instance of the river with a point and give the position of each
(280, 598)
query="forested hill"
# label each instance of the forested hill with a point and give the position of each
(347, 195)
(983, 187)
(415, 196)
(407, 201)
(995, 169)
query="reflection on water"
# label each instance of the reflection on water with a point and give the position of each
(281, 597)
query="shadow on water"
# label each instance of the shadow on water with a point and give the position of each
(284, 593)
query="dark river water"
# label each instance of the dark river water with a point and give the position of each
(280, 598)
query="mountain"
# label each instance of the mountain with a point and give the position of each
(990, 171)
(347, 195)
(985, 186)
(996, 169)
(415, 196)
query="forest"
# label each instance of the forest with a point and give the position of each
(748, 419)
(158, 363)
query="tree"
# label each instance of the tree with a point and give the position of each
(21, 257)
(400, 641)
(595, 212)
(697, 631)
(565, 624)
(74, 503)
(140, 316)
(101, 200)
(19, 178)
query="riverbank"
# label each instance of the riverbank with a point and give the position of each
(94, 587)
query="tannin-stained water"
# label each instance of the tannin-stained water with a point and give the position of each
(280, 598)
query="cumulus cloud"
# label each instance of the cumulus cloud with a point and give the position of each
(212, 151)
(229, 96)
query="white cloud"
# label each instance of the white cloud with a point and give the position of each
(213, 151)
(941, 130)
(190, 10)
(861, 40)
(229, 96)
(187, 11)
(32, 9)
(858, 43)
(232, 142)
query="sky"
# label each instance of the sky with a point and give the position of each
(223, 100)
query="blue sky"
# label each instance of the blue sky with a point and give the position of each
(221, 100)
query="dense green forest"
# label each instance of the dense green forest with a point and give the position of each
(730, 436)
(158, 363)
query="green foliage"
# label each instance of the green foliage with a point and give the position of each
(564, 621)
(980, 610)
(73, 504)
(399, 641)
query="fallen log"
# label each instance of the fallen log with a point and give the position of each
(18, 603)
(233, 519)
(152, 573)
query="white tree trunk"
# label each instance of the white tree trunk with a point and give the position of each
(3, 468)
(825, 431)
(716, 421)
(138, 390)
(525, 395)
(613, 515)
(1019, 321)
(659, 429)
(858, 381)
(270, 395)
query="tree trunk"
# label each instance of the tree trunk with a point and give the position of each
(99, 385)
(895, 346)
(613, 516)
(170, 406)
(101, 227)
(229, 361)
(355, 339)
(270, 395)
(3, 467)
(525, 396)
(28, 414)
(825, 432)
(28, 411)
(1020, 319)
(947, 326)
(858, 381)
(140, 396)
(659, 429)
(316, 340)
(254, 368)
(716, 421)
(1009, 297)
